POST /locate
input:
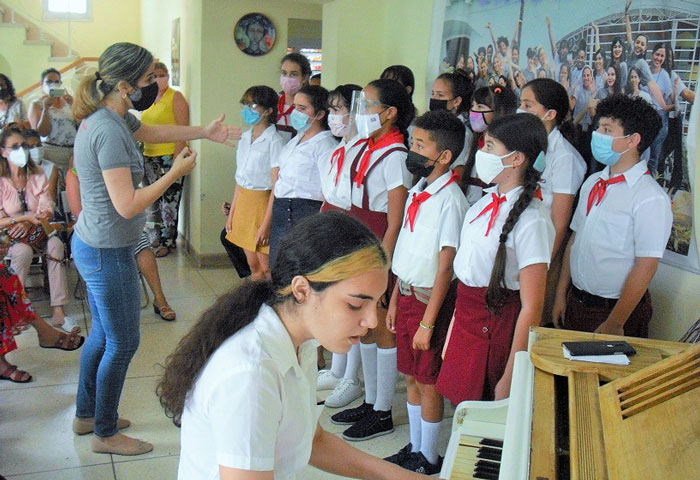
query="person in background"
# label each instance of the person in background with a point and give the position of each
(24, 204)
(632, 89)
(169, 108)
(235, 253)
(295, 71)
(50, 115)
(599, 70)
(504, 250)
(621, 226)
(296, 178)
(422, 301)
(315, 80)
(561, 54)
(36, 153)
(11, 107)
(662, 77)
(563, 79)
(544, 62)
(401, 74)
(250, 214)
(584, 96)
(563, 173)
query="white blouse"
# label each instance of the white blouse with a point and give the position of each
(254, 158)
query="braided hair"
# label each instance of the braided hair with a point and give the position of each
(523, 133)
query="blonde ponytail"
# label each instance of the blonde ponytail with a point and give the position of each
(87, 99)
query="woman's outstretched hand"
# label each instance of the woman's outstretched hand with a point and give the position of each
(217, 132)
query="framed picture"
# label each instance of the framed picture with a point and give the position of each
(254, 34)
(175, 53)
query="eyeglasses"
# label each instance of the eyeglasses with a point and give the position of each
(251, 105)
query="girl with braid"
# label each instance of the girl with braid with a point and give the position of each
(501, 263)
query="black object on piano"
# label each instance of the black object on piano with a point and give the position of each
(578, 349)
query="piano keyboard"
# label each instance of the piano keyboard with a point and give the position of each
(481, 456)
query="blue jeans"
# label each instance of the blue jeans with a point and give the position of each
(657, 145)
(111, 277)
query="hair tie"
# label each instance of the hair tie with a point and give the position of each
(97, 75)
(497, 90)
(540, 162)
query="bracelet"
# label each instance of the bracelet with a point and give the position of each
(427, 327)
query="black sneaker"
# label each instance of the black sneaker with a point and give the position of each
(416, 462)
(373, 425)
(352, 415)
(400, 457)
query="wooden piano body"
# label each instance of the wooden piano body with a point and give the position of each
(643, 422)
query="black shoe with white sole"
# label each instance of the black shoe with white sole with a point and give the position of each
(373, 425)
(352, 415)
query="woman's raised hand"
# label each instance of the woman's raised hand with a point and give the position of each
(216, 131)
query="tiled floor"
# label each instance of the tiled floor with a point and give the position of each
(36, 441)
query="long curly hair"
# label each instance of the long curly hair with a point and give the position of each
(325, 248)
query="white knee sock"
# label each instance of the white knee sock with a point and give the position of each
(338, 362)
(386, 378)
(368, 352)
(353, 364)
(414, 424)
(430, 433)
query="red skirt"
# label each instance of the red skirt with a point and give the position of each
(479, 346)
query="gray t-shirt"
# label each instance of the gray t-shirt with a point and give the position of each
(105, 141)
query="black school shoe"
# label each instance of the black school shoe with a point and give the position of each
(400, 457)
(416, 462)
(377, 423)
(352, 415)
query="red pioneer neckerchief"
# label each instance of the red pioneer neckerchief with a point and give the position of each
(600, 187)
(494, 206)
(281, 114)
(389, 138)
(339, 156)
(422, 197)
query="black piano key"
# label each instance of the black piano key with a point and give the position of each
(488, 465)
(486, 475)
(491, 443)
(489, 453)
(495, 471)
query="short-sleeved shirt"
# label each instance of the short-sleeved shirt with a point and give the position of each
(438, 223)
(663, 81)
(14, 113)
(677, 89)
(391, 173)
(337, 193)
(105, 141)
(299, 175)
(582, 96)
(633, 220)
(642, 67)
(564, 169)
(530, 242)
(36, 196)
(254, 158)
(253, 406)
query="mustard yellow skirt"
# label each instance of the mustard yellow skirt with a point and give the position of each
(248, 215)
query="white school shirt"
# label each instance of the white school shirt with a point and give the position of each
(299, 175)
(338, 194)
(461, 159)
(633, 220)
(253, 406)
(530, 242)
(388, 175)
(437, 225)
(254, 159)
(564, 169)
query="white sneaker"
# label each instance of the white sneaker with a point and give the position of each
(346, 391)
(326, 380)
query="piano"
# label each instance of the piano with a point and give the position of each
(588, 421)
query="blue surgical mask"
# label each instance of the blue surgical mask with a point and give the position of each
(250, 116)
(300, 121)
(601, 148)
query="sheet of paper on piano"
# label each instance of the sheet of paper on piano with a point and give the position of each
(619, 359)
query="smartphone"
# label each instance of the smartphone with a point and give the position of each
(57, 92)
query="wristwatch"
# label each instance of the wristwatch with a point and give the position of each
(12, 221)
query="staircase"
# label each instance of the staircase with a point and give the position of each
(27, 50)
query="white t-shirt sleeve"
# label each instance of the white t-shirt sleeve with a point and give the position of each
(533, 242)
(245, 410)
(276, 145)
(451, 218)
(567, 174)
(653, 219)
(395, 172)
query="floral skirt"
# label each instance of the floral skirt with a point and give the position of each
(15, 308)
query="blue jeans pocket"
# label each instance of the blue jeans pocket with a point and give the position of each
(87, 259)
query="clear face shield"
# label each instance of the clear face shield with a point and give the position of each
(362, 122)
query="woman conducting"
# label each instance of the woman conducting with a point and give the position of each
(110, 167)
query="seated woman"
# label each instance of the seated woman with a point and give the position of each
(145, 258)
(11, 107)
(25, 202)
(16, 310)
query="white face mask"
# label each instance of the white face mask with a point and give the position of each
(37, 153)
(336, 122)
(367, 124)
(489, 165)
(19, 157)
